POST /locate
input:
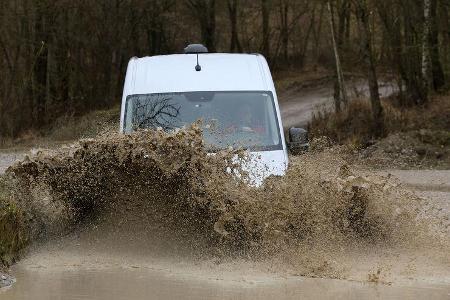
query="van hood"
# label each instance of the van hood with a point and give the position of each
(261, 165)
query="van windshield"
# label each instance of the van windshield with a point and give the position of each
(230, 119)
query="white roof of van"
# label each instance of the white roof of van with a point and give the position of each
(220, 72)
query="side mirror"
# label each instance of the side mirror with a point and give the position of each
(298, 140)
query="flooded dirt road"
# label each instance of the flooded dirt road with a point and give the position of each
(98, 262)
(71, 270)
(94, 263)
(120, 283)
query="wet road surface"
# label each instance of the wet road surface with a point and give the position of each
(79, 274)
(56, 271)
(147, 284)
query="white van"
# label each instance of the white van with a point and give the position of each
(233, 95)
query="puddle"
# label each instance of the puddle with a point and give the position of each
(148, 284)
(118, 209)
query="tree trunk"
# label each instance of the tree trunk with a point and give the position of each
(40, 67)
(435, 59)
(210, 28)
(341, 94)
(444, 26)
(401, 49)
(305, 44)
(426, 62)
(233, 14)
(343, 11)
(205, 12)
(415, 85)
(284, 32)
(343, 16)
(265, 10)
(366, 42)
(317, 33)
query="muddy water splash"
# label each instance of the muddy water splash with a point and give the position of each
(314, 221)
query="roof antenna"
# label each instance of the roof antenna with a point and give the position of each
(196, 49)
(198, 68)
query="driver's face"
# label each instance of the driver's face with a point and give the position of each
(246, 114)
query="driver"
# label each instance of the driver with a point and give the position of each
(246, 121)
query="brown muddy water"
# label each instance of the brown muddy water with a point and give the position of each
(137, 284)
(151, 216)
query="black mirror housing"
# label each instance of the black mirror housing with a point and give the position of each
(298, 140)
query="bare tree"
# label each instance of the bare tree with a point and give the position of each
(235, 44)
(317, 31)
(443, 27)
(309, 31)
(362, 13)
(342, 94)
(431, 65)
(434, 49)
(205, 12)
(284, 27)
(61, 57)
(426, 62)
(399, 20)
(265, 10)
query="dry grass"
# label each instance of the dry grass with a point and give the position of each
(67, 128)
(311, 76)
(354, 124)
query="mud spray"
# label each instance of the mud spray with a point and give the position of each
(322, 219)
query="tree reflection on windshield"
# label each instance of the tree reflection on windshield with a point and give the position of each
(160, 112)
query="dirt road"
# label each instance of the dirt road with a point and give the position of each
(433, 185)
(297, 107)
